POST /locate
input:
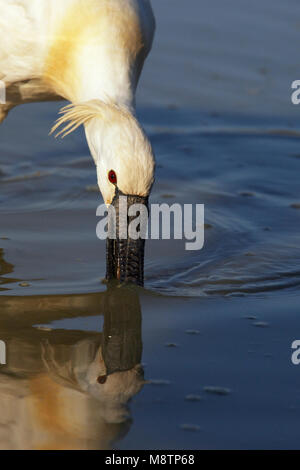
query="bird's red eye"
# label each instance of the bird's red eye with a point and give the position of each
(102, 379)
(112, 177)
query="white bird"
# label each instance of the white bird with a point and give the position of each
(91, 53)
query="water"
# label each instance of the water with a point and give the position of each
(216, 324)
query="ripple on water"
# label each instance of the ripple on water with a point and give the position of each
(251, 232)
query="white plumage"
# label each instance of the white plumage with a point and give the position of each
(90, 52)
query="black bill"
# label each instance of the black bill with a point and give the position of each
(125, 253)
(122, 331)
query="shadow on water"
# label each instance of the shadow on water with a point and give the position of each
(69, 389)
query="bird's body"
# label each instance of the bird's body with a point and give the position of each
(91, 53)
(78, 50)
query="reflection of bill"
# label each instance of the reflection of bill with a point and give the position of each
(65, 389)
(108, 367)
(2, 353)
(5, 268)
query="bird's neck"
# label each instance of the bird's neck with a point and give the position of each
(86, 79)
(93, 53)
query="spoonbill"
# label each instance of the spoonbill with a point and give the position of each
(91, 53)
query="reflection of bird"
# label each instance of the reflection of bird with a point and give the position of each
(5, 268)
(90, 52)
(70, 389)
(110, 369)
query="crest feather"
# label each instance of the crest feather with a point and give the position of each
(76, 114)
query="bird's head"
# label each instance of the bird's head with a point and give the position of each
(125, 167)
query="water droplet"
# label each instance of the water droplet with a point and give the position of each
(192, 332)
(260, 324)
(193, 397)
(217, 390)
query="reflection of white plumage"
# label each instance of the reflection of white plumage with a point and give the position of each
(50, 398)
(90, 52)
